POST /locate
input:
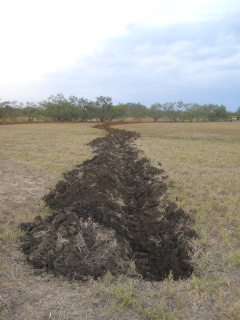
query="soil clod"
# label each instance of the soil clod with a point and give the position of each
(109, 212)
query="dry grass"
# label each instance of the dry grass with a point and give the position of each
(54, 146)
(202, 161)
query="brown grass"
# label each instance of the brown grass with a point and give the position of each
(202, 161)
(53, 146)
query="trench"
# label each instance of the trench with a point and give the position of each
(111, 214)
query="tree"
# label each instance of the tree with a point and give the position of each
(3, 110)
(121, 112)
(214, 112)
(137, 110)
(9, 110)
(156, 111)
(193, 111)
(169, 109)
(180, 108)
(30, 111)
(84, 108)
(222, 112)
(58, 108)
(103, 109)
(175, 111)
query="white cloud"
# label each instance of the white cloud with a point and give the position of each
(116, 48)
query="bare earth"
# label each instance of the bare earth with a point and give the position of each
(20, 185)
(26, 295)
(29, 294)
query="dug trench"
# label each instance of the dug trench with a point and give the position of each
(111, 214)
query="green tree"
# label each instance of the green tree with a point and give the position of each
(103, 109)
(58, 108)
(222, 113)
(180, 108)
(137, 110)
(84, 108)
(175, 111)
(156, 111)
(9, 110)
(121, 112)
(193, 111)
(3, 113)
(30, 111)
(214, 112)
(238, 112)
(170, 111)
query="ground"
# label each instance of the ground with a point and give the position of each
(109, 213)
(212, 291)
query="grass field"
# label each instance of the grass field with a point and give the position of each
(53, 146)
(202, 161)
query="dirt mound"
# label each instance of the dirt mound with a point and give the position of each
(108, 212)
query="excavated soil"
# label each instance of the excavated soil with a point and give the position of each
(110, 214)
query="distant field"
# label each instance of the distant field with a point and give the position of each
(202, 161)
(53, 146)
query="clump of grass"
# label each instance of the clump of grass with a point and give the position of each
(234, 259)
(60, 278)
(12, 234)
(153, 314)
(74, 286)
(44, 210)
(123, 292)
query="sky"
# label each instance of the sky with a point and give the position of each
(131, 50)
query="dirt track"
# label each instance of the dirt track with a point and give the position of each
(109, 211)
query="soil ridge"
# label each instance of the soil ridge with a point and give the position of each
(109, 212)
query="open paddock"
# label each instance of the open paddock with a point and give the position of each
(202, 162)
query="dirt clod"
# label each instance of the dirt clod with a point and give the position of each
(109, 211)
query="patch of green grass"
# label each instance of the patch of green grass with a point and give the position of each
(44, 210)
(60, 278)
(154, 314)
(234, 259)
(4, 313)
(13, 234)
(74, 286)
(121, 290)
(123, 294)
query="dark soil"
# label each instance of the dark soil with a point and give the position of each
(109, 212)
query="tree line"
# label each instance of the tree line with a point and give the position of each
(58, 108)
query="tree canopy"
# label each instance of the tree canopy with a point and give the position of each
(59, 108)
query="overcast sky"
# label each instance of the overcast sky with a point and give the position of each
(131, 50)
